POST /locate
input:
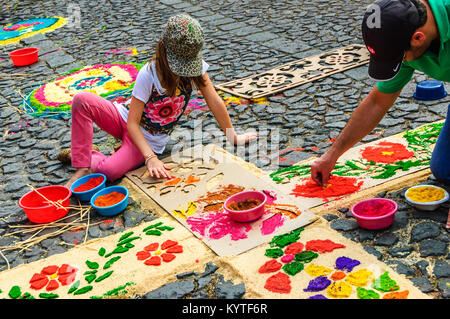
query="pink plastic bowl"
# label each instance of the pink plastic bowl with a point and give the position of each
(250, 214)
(36, 208)
(24, 57)
(375, 222)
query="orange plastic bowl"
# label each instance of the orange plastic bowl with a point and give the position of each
(39, 211)
(24, 57)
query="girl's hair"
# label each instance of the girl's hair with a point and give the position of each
(168, 78)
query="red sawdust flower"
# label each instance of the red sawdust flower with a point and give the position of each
(52, 276)
(386, 152)
(278, 283)
(337, 186)
(153, 254)
(322, 246)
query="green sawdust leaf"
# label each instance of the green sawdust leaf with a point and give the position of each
(104, 276)
(111, 261)
(48, 295)
(92, 264)
(74, 287)
(83, 290)
(14, 292)
(286, 239)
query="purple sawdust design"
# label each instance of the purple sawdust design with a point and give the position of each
(318, 284)
(345, 263)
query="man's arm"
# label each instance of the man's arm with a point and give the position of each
(363, 120)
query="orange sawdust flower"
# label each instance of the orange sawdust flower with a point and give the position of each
(397, 295)
(191, 180)
(386, 152)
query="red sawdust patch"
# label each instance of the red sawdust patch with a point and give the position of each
(386, 152)
(279, 283)
(322, 246)
(294, 249)
(337, 186)
(270, 266)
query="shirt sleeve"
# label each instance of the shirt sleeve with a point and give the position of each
(143, 84)
(398, 81)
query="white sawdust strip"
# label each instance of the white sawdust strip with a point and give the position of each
(127, 269)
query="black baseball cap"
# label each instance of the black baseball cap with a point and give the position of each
(387, 28)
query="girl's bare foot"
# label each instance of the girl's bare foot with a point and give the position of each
(80, 172)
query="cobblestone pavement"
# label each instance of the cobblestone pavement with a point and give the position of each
(242, 38)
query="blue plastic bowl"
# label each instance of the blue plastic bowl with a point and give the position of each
(430, 90)
(114, 209)
(87, 195)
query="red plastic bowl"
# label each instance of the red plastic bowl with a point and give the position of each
(250, 214)
(25, 56)
(36, 208)
(375, 222)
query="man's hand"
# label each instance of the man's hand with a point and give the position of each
(321, 169)
(363, 120)
(157, 168)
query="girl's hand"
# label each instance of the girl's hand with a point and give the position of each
(244, 138)
(157, 168)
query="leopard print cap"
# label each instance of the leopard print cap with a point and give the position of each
(183, 39)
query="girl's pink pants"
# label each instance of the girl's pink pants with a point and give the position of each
(89, 108)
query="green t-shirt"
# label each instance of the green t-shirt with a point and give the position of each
(435, 66)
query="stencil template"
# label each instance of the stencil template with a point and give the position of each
(298, 72)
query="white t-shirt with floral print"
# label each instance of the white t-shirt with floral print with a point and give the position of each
(161, 112)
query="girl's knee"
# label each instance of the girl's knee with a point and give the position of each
(78, 100)
(112, 173)
(81, 99)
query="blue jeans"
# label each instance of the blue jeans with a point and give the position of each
(440, 159)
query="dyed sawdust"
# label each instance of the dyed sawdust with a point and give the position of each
(337, 186)
(213, 201)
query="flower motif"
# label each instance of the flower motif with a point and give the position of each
(386, 152)
(165, 111)
(101, 79)
(153, 254)
(52, 276)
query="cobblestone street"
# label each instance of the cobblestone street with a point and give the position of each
(242, 38)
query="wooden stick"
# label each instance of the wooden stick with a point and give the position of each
(74, 225)
(5, 75)
(4, 257)
(87, 228)
(10, 106)
(56, 204)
